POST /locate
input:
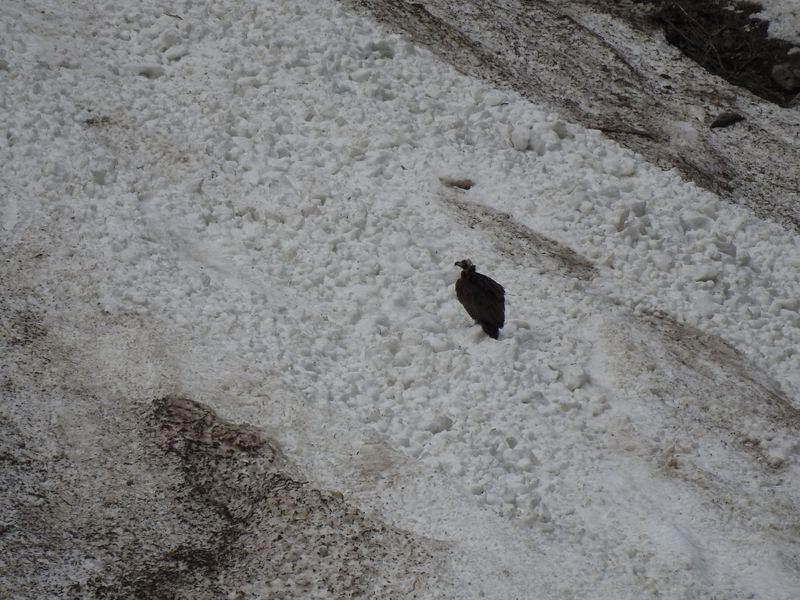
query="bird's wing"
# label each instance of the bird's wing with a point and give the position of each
(490, 286)
(487, 301)
(460, 289)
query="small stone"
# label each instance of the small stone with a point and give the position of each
(462, 183)
(726, 119)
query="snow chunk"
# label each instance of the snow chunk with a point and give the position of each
(493, 98)
(561, 129)
(379, 49)
(619, 166)
(704, 304)
(574, 377)
(439, 424)
(726, 247)
(694, 220)
(619, 218)
(176, 52)
(610, 191)
(683, 134)
(530, 397)
(167, 40)
(521, 137)
(543, 139)
(149, 71)
(706, 273)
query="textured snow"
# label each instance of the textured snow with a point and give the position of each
(784, 18)
(255, 190)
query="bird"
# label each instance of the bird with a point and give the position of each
(482, 297)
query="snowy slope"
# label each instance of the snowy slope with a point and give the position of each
(784, 18)
(247, 203)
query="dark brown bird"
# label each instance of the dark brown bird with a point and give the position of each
(482, 297)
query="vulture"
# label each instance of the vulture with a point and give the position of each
(482, 297)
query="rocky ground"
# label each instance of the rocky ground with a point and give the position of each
(163, 499)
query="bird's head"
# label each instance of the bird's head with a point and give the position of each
(465, 264)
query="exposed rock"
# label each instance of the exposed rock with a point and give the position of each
(787, 75)
(462, 183)
(726, 119)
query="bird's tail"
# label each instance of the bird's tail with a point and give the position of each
(490, 330)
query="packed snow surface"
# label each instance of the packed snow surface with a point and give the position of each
(253, 204)
(784, 18)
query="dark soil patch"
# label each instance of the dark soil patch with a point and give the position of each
(726, 40)
(24, 327)
(726, 119)
(101, 121)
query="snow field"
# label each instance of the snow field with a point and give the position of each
(784, 17)
(669, 247)
(261, 182)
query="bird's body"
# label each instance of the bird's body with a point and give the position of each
(482, 297)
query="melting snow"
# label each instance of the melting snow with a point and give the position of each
(243, 202)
